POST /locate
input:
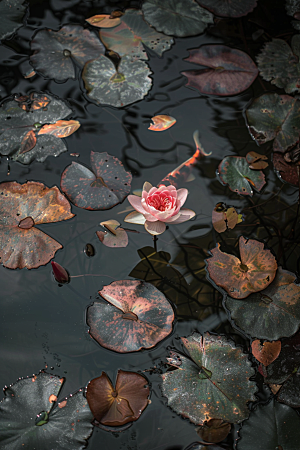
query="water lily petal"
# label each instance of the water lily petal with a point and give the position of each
(144, 204)
(185, 214)
(136, 202)
(135, 217)
(152, 190)
(155, 227)
(181, 196)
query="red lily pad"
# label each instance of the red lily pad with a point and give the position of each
(130, 316)
(103, 187)
(120, 405)
(229, 8)
(265, 352)
(114, 236)
(287, 172)
(22, 206)
(240, 277)
(55, 50)
(228, 71)
(224, 218)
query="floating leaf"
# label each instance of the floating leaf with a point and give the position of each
(103, 187)
(273, 116)
(104, 21)
(229, 8)
(224, 218)
(270, 427)
(236, 173)
(21, 118)
(214, 430)
(55, 50)
(61, 128)
(12, 13)
(114, 236)
(293, 9)
(128, 38)
(31, 419)
(286, 171)
(265, 352)
(125, 403)
(129, 84)
(271, 313)
(60, 274)
(213, 384)
(132, 315)
(162, 123)
(240, 277)
(22, 206)
(228, 71)
(176, 18)
(279, 63)
(256, 161)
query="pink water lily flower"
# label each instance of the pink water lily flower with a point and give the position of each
(159, 206)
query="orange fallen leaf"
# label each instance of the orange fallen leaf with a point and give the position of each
(224, 218)
(61, 128)
(28, 142)
(267, 352)
(256, 161)
(162, 123)
(103, 21)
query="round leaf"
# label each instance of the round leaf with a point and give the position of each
(272, 313)
(114, 237)
(12, 13)
(103, 187)
(236, 173)
(125, 403)
(228, 71)
(176, 18)
(134, 315)
(265, 352)
(229, 8)
(214, 383)
(54, 51)
(22, 206)
(104, 85)
(286, 172)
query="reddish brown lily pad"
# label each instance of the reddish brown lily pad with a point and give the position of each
(240, 277)
(118, 406)
(131, 315)
(22, 206)
(103, 187)
(287, 172)
(214, 430)
(228, 71)
(265, 352)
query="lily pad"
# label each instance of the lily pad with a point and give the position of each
(22, 206)
(272, 116)
(228, 71)
(130, 83)
(103, 187)
(229, 8)
(128, 38)
(20, 120)
(272, 313)
(287, 172)
(240, 277)
(177, 18)
(31, 419)
(12, 13)
(55, 51)
(236, 173)
(132, 315)
(114, 236)
(265, 352)
(214, 383)
(122, 404)
(214, 430)
(224, 218)
(292, 7)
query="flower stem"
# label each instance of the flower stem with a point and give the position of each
(155, 239)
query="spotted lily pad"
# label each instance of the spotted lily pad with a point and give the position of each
(21, 127)
(117, 88)
(103, 187)
(55, 50)
(228, 71)
(240, 277)
(12, 13)
(177, 18)
(22, 206)
(287, 172)
(114, 235)
(236, 173)
(272, 116)
(122, 404)
(213, 383)
(131, 315)
(229, 8)
(31, 419)
(128, 38)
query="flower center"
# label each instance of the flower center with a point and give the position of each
(160, 202)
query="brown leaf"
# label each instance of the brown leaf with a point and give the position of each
(28, 142)
(256, 161)
(114, 236)
(267, 352)
(214, 430)
(103, 21)
(224, 218)
(162, 123)
(61, 128)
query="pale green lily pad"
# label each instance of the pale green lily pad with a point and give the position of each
(177, 17)
(12, 13)
(106, 86)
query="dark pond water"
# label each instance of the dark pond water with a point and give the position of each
(42, 324)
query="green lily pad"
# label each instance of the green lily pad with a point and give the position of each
(273, 116)
(272, 313)
(214, 383)
(55, 50)
(12, 13)
(128, 37)
(177, 17)
(279, 63)
(117, 88)
(229, 8)
(31, 419)
(236, 173)
(21, 121)
(270, 427)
